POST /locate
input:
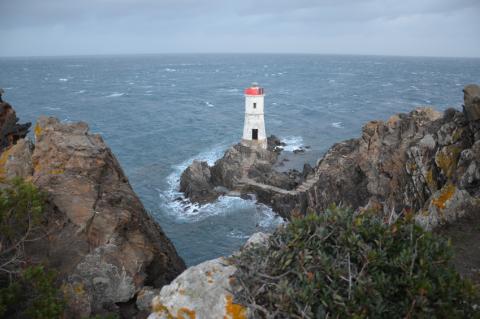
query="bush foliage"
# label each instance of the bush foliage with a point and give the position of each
(32, 295)
(344, 265)
(26, 291)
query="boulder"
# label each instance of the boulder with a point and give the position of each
(204, 291)
(101, 241)
(196, 183)
(471, 105)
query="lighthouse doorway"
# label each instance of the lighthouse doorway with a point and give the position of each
(254, 134)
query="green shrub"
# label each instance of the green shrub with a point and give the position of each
(26, 291)
(344, 265)
(32, 295)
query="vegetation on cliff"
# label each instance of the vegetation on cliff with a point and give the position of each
(345, 265)
(26, 290)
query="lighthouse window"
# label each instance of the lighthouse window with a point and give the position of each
(254, 105)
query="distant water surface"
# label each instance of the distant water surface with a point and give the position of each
(159, 112)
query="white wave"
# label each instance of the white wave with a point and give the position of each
(63, 79)
(237, 234)
(337, 124)
(293, 143)
(52, 108)
(80, 92)
(170, 70)
(116, 94)
(209, 104)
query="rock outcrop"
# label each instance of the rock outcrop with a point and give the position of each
(203, 291)
(424, 162)
(236, 172)
(98, 236)
(10, 130)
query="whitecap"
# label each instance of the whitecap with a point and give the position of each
(237, 234)
(293, 143)
(63, 79)
(209, 104)
(52, 108)
(170, 70)
(80, 92)
(116, 94)
(337, 124)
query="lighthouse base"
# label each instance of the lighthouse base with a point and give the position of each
(262, 144)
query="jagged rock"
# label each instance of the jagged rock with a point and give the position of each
(196, 183)
(239, 165)
(10, 130)
(16, 161)
(472, 102)
(396, 166)
(103, 244)
(203, 291)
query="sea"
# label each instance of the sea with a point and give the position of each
(160, 112)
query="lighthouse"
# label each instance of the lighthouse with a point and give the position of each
(254, 134)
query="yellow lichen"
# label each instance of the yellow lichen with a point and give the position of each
(234, 311)
(161, 309)
(37, 131)
(182, 313)
(431, 182)
(185, 311)
(3, 161)
(78, 288)
(445, 194)
(57, 171)
(457, 134)
(447, 159)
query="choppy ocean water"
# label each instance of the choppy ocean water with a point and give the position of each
(159, 112)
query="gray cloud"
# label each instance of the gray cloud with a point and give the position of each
(411, 27)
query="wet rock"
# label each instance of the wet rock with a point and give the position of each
(196, 183)
(103, 244)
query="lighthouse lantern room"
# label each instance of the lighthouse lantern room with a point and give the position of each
(254, 134)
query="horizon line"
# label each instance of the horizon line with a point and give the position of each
(231, 53)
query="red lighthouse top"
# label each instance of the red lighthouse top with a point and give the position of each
(254, 90)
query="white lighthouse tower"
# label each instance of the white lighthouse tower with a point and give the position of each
(254, 128)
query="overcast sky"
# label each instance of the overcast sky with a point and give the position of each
(390, 27)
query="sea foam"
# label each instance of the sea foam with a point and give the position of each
(182, 209)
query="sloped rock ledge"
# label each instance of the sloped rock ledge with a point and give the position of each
(104, 245)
